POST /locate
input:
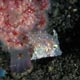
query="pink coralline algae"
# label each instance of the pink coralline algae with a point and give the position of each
(18, 17)
(22, 30)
